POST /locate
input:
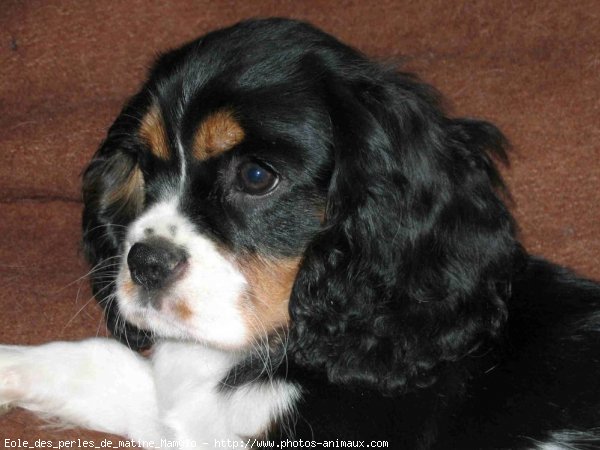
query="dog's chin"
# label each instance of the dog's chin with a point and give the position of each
(175, 314)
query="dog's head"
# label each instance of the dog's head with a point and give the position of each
(268, 178)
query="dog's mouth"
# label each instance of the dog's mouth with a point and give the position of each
(184, 301)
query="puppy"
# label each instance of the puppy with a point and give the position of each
(316, 253)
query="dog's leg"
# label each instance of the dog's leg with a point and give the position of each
(97, 383)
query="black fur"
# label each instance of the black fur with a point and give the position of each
(416, 316)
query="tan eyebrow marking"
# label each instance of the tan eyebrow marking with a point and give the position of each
(153, 132)
(217, 133)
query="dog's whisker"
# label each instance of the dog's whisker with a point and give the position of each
(74, 316)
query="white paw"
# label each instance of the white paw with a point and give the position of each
(12, 380)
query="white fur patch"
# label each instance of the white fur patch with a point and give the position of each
(209, 292)
(193, 405)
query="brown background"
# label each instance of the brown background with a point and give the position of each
(66, 67)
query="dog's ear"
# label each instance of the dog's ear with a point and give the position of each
(113, 195)
(411, 266)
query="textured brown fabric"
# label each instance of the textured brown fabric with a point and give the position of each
(67, 66)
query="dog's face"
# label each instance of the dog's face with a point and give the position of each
(268, 178)
(229, 195)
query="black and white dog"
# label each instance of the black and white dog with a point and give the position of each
(315, 251)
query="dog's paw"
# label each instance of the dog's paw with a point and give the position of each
(12, 386)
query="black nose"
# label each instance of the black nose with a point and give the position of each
(155, 262)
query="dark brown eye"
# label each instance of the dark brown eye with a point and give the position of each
(255, 178)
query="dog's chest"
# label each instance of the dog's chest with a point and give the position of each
(194, 406)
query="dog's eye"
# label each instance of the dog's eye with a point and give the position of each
(256, 179)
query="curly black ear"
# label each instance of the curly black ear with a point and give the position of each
(113, 195)
(412, 264)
